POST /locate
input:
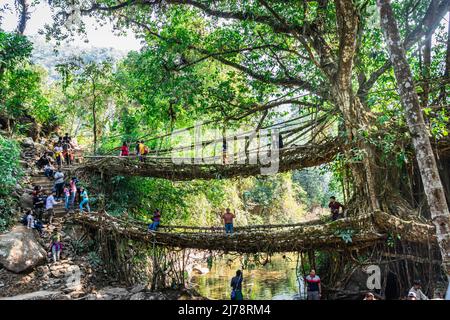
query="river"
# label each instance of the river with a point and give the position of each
(276, 280)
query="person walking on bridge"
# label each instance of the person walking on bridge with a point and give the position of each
(228, 220)
(313, 287)
(156, 220)
(236, 286)
(334, 207)
(142, 151)
(124, 150)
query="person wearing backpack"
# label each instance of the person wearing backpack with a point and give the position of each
(236, 286)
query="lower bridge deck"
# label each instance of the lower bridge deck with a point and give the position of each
(359, 231)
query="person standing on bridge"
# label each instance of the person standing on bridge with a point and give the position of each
(228, 220)
(334, 207)
(236, 286)
(141, 151)
(124, 151)
(313, 287)
(156, 220)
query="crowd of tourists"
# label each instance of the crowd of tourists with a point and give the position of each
(64, 190)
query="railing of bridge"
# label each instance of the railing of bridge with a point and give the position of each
(142, 226)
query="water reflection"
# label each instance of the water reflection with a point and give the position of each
(276, 280)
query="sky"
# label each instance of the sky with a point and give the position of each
(98, 36)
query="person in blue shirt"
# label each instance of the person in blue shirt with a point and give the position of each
(156, 220)
(236, 286)
(85, 201)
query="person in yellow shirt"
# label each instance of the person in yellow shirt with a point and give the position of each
(141, 149)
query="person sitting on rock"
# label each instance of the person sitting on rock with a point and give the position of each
(30, 219)
(56, 247)
(44, 160)
(33, 223)
(156, 220)
(48, 171)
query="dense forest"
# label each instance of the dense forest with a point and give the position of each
(369, 78)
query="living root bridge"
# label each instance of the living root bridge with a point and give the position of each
(295, 157)
(366, 230)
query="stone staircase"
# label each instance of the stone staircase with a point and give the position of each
(47, 185)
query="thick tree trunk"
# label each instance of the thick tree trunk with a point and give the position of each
(427, 163)
(94, 116)
(354, 113)
(24, 15)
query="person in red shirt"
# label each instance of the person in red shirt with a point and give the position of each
(334, 207)
(124, 150)
(228, 220)
(313, 286)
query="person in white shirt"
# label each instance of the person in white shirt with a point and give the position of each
(416, 289)
(48, 171)
(30, 220)
(59, 184)
(49, 203)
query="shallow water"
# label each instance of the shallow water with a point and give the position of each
(276, 280)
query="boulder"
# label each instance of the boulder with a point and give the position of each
(28, 142)
(138, 296)
(26, 201)
(113, 292)
(20, 250)
(37, 295)
(137, 288)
